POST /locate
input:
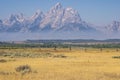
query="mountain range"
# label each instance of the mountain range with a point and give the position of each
(58, 20)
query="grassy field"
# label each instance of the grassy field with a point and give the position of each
(60, 64)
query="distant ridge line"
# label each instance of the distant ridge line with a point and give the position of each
(74, 40)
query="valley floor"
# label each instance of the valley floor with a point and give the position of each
(60, 64)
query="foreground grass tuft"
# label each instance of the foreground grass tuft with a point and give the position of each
(116, 57)
(23, 69)
(3, 60)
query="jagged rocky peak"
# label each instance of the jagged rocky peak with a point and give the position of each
(53, 17)
(57, 6)
(115, 23)
(15, 17)
(37, 14)
(114, 26)
(1, 24)
(57, 16)
(71, 15)
(12, 18)
(20, 17)
(72, 11)
(1, 21)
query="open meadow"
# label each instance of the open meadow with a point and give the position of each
(59, 64)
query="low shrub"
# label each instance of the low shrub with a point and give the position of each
(116, 57)
(23, 69)
(60, 56)
(3, 60)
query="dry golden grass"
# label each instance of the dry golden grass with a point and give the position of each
(78, 65)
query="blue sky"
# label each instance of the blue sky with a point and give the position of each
(98, 12)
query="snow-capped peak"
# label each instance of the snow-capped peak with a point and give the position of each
(37, 14)
(72, 11)
(53, 17)
(1, 22)
(19, 17)
(117, 23)
(14, 18)
(114, 26)
(57, 6)
(71, 15)
(58, 16)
